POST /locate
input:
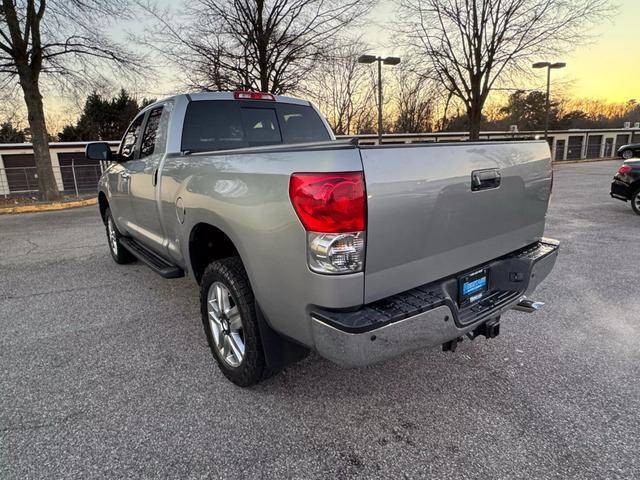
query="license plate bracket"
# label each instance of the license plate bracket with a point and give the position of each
(473, 286)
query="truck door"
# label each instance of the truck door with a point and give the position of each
(144, 179)
(119, 175)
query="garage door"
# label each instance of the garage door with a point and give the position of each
(574, 149)
(594, 146)
(621, 140)
(560, 146)
(21, 173)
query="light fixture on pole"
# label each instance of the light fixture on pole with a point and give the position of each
(548, 66)
(380, 60)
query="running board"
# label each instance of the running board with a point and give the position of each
(153, 261)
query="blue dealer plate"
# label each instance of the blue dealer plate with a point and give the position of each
(473, 285)
(469, 288)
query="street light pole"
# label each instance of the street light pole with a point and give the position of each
(547, 106)
(380, 61)
(548, 66)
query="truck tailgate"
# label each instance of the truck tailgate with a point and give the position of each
(424, 220)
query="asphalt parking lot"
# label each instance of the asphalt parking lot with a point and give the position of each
(105, 371)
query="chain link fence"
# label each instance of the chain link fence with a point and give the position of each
(74, 180)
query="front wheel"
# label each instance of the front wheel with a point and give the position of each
(118, 252)
(635, 201)
(230, 322)
(627, 154)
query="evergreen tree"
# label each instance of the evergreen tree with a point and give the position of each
(103, 119)
(10, 134)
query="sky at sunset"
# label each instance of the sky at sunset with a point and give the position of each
(607, 69)
(610, 68)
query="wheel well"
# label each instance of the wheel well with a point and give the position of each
(206, 244)
(103, 204)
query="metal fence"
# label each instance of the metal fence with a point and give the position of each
(75, 180)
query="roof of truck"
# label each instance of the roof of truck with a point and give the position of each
(230, 96)
(198, 96)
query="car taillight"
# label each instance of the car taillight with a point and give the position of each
(247, 95)
(332, 208)
(625, 169)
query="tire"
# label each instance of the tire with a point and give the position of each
(627, 154)
(635, 201)
(230, 323)
(120, 254)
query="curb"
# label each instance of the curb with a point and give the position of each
(47, 207)
(585, 160)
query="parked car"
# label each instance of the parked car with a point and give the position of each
(299, 241)
(629, 151)
(626, 184)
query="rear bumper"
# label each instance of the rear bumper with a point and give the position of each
(620, 190)
(428, 315)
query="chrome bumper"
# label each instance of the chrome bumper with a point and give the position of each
(370, 335)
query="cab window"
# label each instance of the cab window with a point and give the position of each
(226, 124)
(155, 132)
(128, 147)
(260, 126)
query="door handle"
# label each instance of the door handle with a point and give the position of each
(485, 179)
(125, 174)
(154, 180)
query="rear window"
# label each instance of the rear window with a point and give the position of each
(226, 124)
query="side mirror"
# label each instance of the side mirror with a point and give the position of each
(98, 151)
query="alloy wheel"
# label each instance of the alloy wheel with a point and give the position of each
(226, 324)
(113, 239)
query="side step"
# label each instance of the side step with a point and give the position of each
(153, 261)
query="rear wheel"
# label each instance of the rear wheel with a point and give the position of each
(627, 154)
(230, 322)
(118, 252)
(635, 201)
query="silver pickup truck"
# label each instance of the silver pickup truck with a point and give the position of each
(300, 241)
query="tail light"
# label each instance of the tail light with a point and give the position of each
(246, 95)
(625, 169)
(332, 208)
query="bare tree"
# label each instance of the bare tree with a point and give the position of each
(270, 45)
(471, 44)
(341, 88)
(56, 38)
(415, 102)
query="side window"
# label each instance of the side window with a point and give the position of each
(155, 132)
(128, 146)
